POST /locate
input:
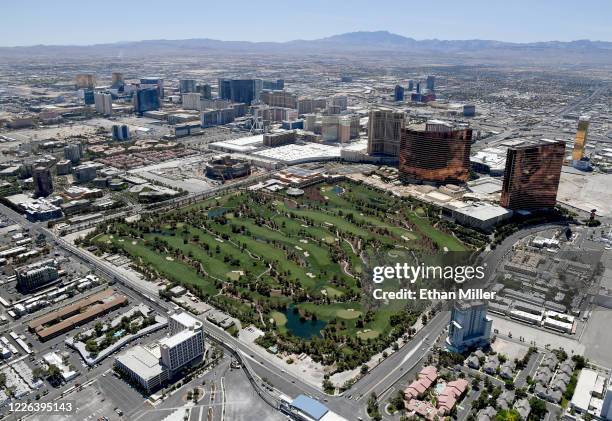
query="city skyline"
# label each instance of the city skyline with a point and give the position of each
(317, 211)
(450, 21)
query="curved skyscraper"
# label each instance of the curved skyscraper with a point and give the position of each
(436, 152)
(532, 174)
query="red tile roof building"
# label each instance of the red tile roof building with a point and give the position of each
(426, 378)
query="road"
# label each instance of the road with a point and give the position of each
(491, 141)
(388, 372)
(571, 107)
(493, 258)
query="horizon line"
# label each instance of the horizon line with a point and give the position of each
(106, 43)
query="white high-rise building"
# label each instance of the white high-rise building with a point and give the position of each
(183, 321)
(192, 101)
(185, 344)
(181, 348)
(151, 366)
(103, 103)
(469, 326)
(329, 128)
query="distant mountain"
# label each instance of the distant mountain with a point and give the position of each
(385, 39)
(378, 41)
(376, 38)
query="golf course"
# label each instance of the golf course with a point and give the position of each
(292, 266)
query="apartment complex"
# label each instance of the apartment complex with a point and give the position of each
(80, 312)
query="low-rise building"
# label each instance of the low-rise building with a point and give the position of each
(67, 318)
(482, 216)
(305, 408)
(590, 394)
(417, 388)
(523, 407)
(141, 365)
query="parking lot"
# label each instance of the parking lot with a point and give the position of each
(90, 405)
(539, 336)
(597, 345)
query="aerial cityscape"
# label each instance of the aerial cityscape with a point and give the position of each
(363, 225)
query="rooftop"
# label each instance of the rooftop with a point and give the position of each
(243, 144)
(145, 361)
(177, 338)
(310, 406)
(584, 387)
(530, 143)
(186, 320)
(301, 153)
(483, 212)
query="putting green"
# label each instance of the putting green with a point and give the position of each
(233, 275)
(370, 334)
(348, 314)
(333, 292)
(279, 318)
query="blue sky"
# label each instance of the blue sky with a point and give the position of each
(29, 22)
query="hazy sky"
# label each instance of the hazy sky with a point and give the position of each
(29, 22)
